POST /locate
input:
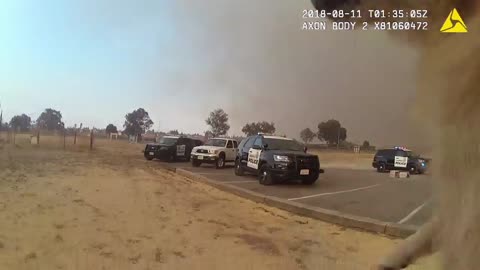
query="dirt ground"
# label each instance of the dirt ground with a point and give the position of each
(109, 209)
(344, 160)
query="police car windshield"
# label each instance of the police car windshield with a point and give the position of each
(411, 154)
(215, 142)
(168, 140)
(279, 144)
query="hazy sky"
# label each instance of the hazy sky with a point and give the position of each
(97, 60)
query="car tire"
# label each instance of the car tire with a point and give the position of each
(381, 167)
(149, 158)
(310, 180)
(220, 162)
(238, 168)
(196, 163)
(264, 176)
(188, 158)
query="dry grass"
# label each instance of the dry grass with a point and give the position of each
(110, 209)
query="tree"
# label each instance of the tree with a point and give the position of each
(255, 128)
(111, 128)
(137, 122)
(4, 126)
(23, 123)
(218, 121)
(307, 135)
(50, 120)
(174, 132)
(366, 144)
(208, 134)
(331, 132)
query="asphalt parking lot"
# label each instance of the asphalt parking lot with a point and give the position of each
(359, 192)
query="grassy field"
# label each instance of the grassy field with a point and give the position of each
(109, 209)
(328, 158)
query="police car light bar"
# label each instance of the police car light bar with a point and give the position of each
(401, 148)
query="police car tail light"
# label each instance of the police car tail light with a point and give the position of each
(281, 158)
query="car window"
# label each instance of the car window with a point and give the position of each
(411, 154)
(385, 153)
(400, 153)
(235, 144)
(282, 144)
(229, 144)
(216, 142)
(249, 143)
(181, 141)
(168, 141)
(242, 143)
(258, 142)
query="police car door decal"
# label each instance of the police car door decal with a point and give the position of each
(181, 150)
(401, 162)
(253, 158)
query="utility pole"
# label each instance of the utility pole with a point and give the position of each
(91, 139)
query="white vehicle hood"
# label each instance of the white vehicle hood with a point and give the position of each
(208, 147)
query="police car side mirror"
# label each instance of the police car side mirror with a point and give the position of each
(265, 146)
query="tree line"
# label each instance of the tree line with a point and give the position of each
(138, 122)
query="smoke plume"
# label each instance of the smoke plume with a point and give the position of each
(258, 56)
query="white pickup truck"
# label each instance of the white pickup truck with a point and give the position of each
(216, 151)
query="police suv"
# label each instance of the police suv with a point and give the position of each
(171, 148)
(216, 151)
(275, 159)
(399, 158)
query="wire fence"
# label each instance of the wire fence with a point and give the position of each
(55, 139)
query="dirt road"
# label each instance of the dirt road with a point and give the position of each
(109, 209)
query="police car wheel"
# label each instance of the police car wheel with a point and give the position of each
(238, 168)
(264, 176)
(149, 158)
(412, 170)
(381, 167)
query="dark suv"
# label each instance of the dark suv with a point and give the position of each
(274, 159)
(399, 158)
(171, 148)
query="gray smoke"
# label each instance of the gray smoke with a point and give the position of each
(257, 54)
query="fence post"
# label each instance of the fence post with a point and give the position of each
(38, 137)
(91, 139)
(64, 136)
